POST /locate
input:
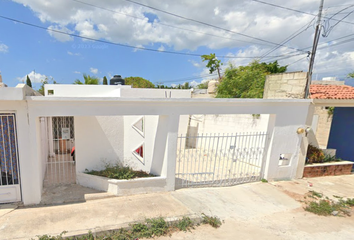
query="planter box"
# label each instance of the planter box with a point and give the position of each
(122, 187)
(328, 169)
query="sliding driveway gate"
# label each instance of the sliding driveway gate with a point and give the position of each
(220, 160)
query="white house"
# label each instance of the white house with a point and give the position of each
(137, 127)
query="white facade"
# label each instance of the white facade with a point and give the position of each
(103, 129)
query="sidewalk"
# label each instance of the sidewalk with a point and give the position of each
(266, 210)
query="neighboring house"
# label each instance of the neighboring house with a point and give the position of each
(341, 136)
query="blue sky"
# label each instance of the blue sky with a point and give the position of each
(25, 49)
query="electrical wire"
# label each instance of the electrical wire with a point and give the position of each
(117, 44)
(123, 45)
(295, 10)
(292, 36)
(207, 24)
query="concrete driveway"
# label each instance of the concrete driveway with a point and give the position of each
(257, 210)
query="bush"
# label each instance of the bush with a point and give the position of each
(119, 172)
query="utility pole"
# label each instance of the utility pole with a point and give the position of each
(314, 49)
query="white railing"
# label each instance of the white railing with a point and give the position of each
(220, 159)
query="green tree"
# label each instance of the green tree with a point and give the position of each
(28, 82)
(88, 80)
(246, 81)
(45, 81)
(213, 63)
(138, 82)
(350, 75)
(203, 85)
(105, 80)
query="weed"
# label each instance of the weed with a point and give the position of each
(264, 180)
(336, 196)
(316, 194)
(150, 228)
(350, 202)
(119, 172)
(322, 207)
(212, 221)
(158, 226)
(185, 224)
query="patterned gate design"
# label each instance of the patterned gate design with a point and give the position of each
(60, 167)
(220, 160)
(10, 174)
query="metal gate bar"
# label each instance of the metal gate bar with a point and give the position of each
(220, 159)
(9, 166)
(61, 166)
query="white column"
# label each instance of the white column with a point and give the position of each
(50, 137)
(287, 142)
(170, 155)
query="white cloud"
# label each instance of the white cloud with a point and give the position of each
(34, 77)
(161, 48)
(3, 48)
(73, 54)
(77, 72)
(247, 17)
(94, 70)
(54, 31)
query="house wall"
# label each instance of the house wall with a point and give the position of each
(155, 93)
(65, 90)
(285, 85)
(341, 136)
(99, 140)
(286, 117)
(231, 123)
(323, 127)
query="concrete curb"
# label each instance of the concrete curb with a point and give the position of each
(196, 219)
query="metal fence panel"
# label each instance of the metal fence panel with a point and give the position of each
(220, 159)
(61, 167)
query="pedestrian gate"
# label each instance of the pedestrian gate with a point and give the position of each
(9, 166)
(60, 165)
(220, 160)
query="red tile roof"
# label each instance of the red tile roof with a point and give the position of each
(331, 92)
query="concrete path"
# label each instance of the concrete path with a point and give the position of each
(250, 211)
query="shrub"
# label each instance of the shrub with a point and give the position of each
(119, 172)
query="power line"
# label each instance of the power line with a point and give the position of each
(206, 24)
(167, 25)
(118, 44)
(294, 10)
(191, 78)
(292, 36)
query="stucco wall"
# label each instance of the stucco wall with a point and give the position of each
(323, 128)
(98, 140)
(285, 85)
(230, 123)
(286, 117)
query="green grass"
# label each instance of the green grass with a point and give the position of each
(264, 180)
(119, 172)
(150, 228)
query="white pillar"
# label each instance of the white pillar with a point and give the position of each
(50, 137)
(170, 155)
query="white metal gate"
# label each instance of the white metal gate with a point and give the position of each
(9, 166)
(60, 167)
(220, 160)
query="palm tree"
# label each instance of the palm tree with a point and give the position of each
(89, 80)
